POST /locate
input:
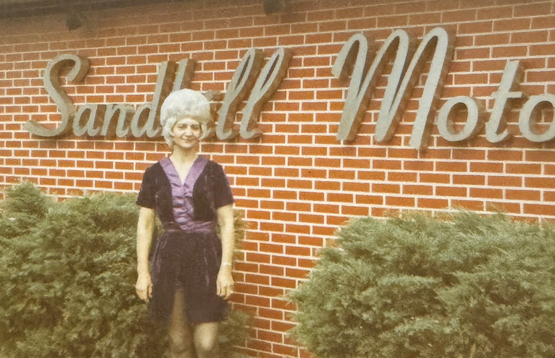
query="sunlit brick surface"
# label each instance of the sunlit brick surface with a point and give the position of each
(296, 184)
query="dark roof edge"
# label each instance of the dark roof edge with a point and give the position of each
(50, 7)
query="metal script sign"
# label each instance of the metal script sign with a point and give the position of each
(256, 81)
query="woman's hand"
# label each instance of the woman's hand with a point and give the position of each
(144, 287)
(225, 282)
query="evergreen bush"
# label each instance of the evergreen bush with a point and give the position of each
(67, 272)
(415, 286)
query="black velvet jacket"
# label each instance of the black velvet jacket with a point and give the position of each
(210, 192)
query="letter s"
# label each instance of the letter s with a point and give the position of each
(59, 96)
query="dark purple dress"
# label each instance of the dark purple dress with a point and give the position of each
(188, 254)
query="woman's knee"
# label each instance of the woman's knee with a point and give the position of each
(206, 340)
(207, 348)
(180, 333)
(180, 342)
(181, 337)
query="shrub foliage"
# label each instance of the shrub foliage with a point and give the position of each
(412, 287)
(68, 272)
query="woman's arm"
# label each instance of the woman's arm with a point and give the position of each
(227, 232)
(145, 229)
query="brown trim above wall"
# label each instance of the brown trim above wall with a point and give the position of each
(27, 8)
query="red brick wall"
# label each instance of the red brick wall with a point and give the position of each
(296, 184)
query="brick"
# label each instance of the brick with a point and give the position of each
(270, 313)
(272, 270)
(417, 189)
(255, 257)
(356, 163)
(326, 208)
(333, 26)
(468, 204)
(518, 168)
(296, 184)
(297, 251)
(452, 166)
(284, 216)
(434, 178)
(285, 195)
(529, 37)
(486, 193)
(386, 164)
(490, 167)
(537, 156)
(539, 182)
(340, 198)
(417, 165)
(540, 22)
(356, 187)
(283, 282)
(386, 188)
(355, 210)
(271, 291)
(450, 191)
(539, 209)
(532, 9)
(393, 21)
(298, 229)
(469, 179)
(281, 349)
(402, 177)
(310, 241)
(473, 53)
(497, 12)
(258, 215)
(523, 195)
(477, 27)
(311, 218)
(431, 203)
(505, 181)
(512, 24)
(471, 78)
(341, 174)
(503, 207)
(549, 196)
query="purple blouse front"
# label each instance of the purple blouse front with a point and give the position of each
(182, 196)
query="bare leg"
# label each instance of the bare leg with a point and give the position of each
(206, 340)
(181, 336)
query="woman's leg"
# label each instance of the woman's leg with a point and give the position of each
(206, 340)
(181, 336)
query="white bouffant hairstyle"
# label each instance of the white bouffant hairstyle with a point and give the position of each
(181, 104)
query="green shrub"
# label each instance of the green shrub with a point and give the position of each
(421, 287)
(67, 272)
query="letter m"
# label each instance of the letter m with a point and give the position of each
(399, 85)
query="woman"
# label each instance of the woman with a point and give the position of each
(190, 276)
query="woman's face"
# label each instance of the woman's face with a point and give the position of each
(186, 133)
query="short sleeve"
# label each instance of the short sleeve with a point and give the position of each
(146, 197)
(222, 191)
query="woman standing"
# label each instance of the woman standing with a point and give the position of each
(190, 275)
